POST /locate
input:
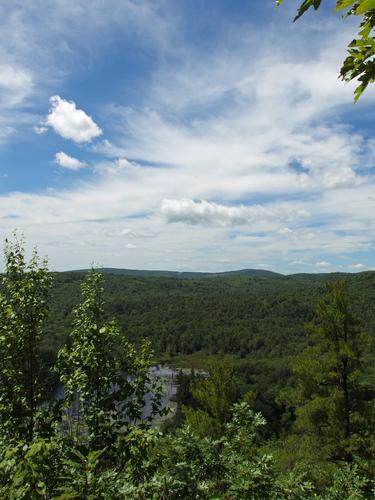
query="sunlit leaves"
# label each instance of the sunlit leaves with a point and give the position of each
(105, 371)
(359, 65)
(24, 308)
(306, 5)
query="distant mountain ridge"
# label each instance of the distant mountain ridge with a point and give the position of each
(254, 273)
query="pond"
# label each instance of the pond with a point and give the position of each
(168, 380)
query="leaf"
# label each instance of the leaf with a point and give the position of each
(343, 4)
(365, 6)
(359, 91)
(305, 6)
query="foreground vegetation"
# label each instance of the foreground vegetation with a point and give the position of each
(98, 441)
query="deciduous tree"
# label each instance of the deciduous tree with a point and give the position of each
(23, 310)
(100, 366)
(214, 395)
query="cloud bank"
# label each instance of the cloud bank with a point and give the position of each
(204, 212)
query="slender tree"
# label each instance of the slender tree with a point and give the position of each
(100, 367)
(23, 310)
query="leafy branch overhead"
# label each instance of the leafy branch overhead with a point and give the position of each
(360, 63)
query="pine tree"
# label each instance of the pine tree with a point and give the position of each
(329, 397)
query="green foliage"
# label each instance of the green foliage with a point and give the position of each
(186, 465)
(220, 451)
(360, 63)
(348, 484)
(104, 370)
(182, 398)
(191, 466)
(249, 473)
(23, 310)
(82, 477)
(29, 470)
(214, 395)
(329, 395)
(294, 485)
(251, 318)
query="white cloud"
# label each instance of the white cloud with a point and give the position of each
(15, 85)
(42, 46)
(285, 231)
(94, 221)
(6, 131)
(322, 264)
(357, 267)
(70, 122)
(205, 212)
(69, 162)
(40, 129)
(117, 167)
(298, 263)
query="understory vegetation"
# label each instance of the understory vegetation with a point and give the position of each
(282, 407)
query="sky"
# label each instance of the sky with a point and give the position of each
(201, 135)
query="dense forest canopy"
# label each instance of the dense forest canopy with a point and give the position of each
(246, 316)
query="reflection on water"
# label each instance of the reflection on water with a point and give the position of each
(166, 375)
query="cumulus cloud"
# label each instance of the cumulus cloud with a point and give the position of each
(69, 162)
(204, 212)
(70, 122)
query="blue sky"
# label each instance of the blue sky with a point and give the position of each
(194, 135)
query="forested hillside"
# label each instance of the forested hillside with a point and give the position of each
(256, 322)
(250, 317)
